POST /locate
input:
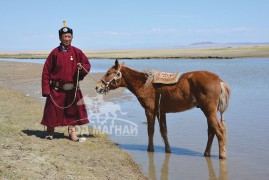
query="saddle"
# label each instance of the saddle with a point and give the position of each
(165, 78)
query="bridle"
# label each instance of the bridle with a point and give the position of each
(117, 76)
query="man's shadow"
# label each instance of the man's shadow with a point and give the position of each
(42, 134)
(56, 135)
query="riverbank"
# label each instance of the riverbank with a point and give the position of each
(228, 52)
(24, 151)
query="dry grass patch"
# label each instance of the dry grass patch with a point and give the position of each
(26, 155)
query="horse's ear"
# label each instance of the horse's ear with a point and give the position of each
(117, 63)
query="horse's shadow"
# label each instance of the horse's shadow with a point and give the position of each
(160, 149)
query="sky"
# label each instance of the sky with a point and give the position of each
(127, 24)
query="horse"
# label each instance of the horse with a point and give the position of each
(202, 89)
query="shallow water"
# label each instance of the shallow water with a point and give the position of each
(246, 120)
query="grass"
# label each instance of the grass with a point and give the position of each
(26, 155)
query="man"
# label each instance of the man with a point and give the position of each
(65, 66)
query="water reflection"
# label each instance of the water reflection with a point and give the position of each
(164, 169)
(223, 169)
(164, 173)
(154, 171)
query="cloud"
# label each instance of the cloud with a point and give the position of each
(37, 37)
(109, 33)
(223, 30)
(157, 31)
(151, 31)
(174, 15)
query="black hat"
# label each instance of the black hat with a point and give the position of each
(65, 30)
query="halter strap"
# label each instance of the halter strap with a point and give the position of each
(115, 78)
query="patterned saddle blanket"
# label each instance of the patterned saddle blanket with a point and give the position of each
(166, 78)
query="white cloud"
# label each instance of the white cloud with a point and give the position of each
(174, 15)
(223, 30)
(152, 31)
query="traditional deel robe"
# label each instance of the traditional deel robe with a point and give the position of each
(62, 66)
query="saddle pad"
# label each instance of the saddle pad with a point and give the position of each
(166, 78)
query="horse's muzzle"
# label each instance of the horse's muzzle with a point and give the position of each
(99, 88)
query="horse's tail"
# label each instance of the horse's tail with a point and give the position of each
(224, 98)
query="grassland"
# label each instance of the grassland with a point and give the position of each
(194, 53)
(25, 154)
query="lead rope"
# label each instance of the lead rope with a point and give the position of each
(75, 92)
(64, 107)
(89, 74)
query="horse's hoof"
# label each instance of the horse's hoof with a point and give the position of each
(206, 154)
(168, 150)
(150, 150)
(222, 153)
(222, 157)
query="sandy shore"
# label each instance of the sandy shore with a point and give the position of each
(24, 152)
(228, 52)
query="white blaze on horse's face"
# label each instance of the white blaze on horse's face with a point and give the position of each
(110, 80)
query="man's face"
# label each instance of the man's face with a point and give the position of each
(66, 39)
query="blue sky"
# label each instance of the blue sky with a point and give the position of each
(118, 24)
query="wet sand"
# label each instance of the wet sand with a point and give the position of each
(24, 152)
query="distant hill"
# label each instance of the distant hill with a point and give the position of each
(227, 44)
(202, 43)
(222, 45)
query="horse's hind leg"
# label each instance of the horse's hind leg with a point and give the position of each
(163, 129)
(220, 131)
(211, 134)
(215, 127)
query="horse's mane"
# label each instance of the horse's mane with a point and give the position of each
(147, 75)
(150, 74)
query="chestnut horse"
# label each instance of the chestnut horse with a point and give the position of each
(201, 89)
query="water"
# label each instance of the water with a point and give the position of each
(246, 120)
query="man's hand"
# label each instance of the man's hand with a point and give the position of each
(79, 66)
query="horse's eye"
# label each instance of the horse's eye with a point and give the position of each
(108, 73)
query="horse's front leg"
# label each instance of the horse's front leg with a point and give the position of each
(151, 124)
(163, 129)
